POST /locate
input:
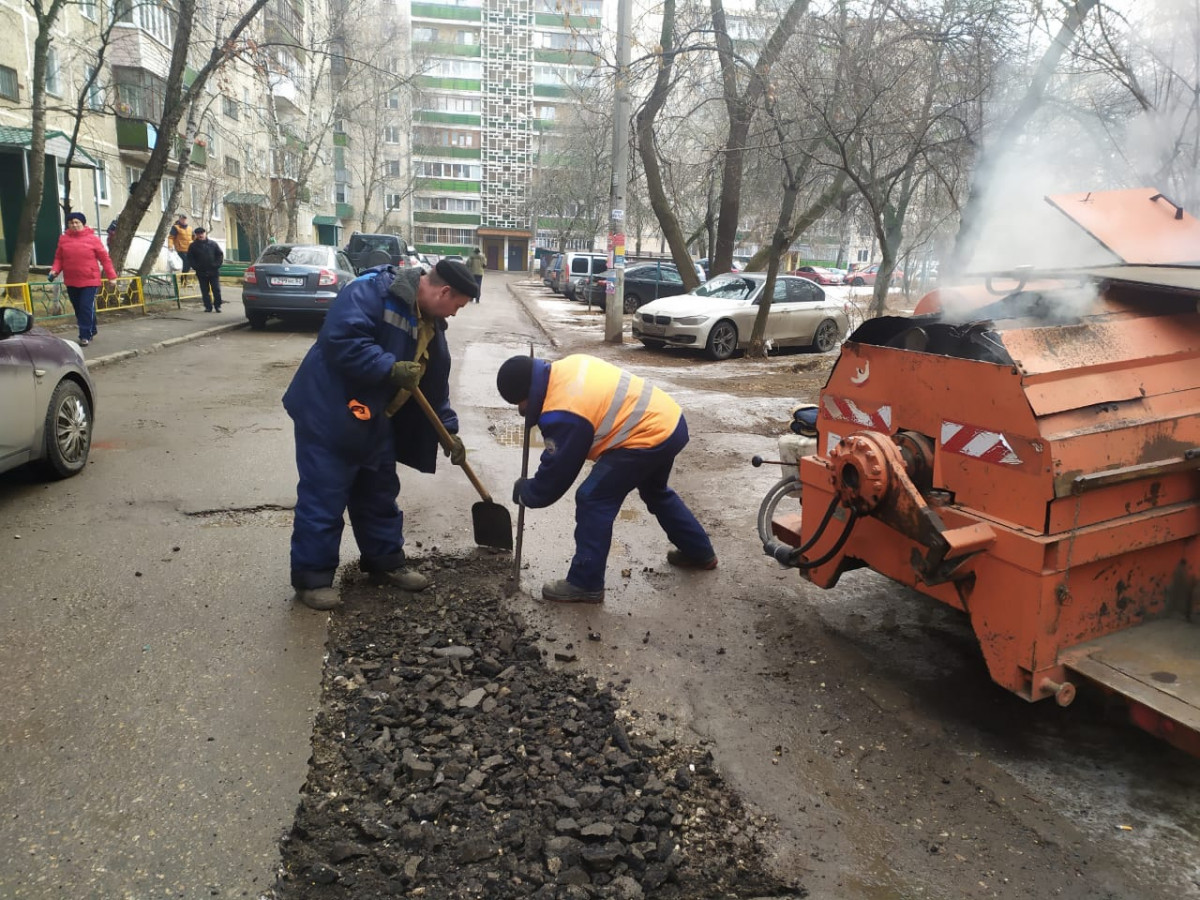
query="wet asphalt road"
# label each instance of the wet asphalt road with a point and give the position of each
(160, 686)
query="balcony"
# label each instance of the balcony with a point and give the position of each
(134, 48)
(344, 210)
(136, 134)
(288, 93)
(283, 23)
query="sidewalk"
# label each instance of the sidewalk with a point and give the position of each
(127, 333)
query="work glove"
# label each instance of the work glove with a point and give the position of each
(406, 375)
(518, 487)
(457, 451)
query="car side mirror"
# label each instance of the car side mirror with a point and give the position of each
(15, 321)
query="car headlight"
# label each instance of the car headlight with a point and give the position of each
(691, 320)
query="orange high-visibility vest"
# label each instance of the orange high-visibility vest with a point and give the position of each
(624, 410)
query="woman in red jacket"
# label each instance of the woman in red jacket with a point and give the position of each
(79, 257)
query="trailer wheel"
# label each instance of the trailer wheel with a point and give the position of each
(786, 488)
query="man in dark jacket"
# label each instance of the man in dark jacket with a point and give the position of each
(206, 257)
(384, 335)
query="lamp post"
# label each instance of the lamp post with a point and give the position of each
(615, 307)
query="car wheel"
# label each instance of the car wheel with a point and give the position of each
(858, 282)
(68, 431)
(257, 320)
(653, 345)
(632, 302)
(722, 340)
(826, 336)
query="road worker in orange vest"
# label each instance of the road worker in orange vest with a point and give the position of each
(589, 409)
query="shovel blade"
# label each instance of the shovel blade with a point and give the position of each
(493, 525)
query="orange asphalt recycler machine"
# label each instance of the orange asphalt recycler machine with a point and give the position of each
(1034, 463)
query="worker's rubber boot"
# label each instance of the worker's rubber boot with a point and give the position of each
(683, 561)
(562, 591)
(319, 598)
(405, 579)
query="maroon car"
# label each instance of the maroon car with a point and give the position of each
(47, 396)
(868, 275)
(819, 274)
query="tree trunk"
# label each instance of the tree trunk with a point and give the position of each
(667, 222)
(27, 224)
(168, 216)
(779, 243)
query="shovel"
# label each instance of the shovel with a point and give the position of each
(492, 523)
(514, 579)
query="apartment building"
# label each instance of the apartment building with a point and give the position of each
(492, 76)
(243, 177)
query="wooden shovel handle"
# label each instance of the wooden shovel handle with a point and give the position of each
(447, 440)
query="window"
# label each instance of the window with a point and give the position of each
(447, 204)
(341, 192)
(425, 35)
(467, 38)
(195, 194)
(232, 168)
(8, 84)
(87, 8)
(456, 68)
(53, 83)
(446, 170)
(101, 174)
(544, 112)
(393, 100)
(391, 168)
(391, 201)
(132, 176)
(862, 256)
(229, 106)
(95, 93)
(166, 188)
(214, 211)
(391, 134)
(139, 93)
(62, 182)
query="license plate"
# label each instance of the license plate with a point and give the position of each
(287, 282)
(653, 329)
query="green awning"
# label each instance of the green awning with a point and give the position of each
(58, 145)
(327, 220)
(237, 198)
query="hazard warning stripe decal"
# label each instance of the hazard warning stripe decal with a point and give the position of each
(848, 411)
(978, 443)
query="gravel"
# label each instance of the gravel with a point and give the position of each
(451, 760)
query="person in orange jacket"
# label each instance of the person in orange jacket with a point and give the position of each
(181, 239)
(80, 257)
(589, 409)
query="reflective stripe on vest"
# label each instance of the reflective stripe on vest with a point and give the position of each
(624, 410)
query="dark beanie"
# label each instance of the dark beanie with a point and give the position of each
(77, 215)
(514, 378)
(458, 276)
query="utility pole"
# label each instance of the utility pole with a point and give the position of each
(614, 306)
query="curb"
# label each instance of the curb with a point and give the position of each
(121, 355)
(533, 318)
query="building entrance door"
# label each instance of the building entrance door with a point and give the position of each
(518, 253)
(491, 249)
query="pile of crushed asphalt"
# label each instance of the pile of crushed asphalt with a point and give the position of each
(450, 760)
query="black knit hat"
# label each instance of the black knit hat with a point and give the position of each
(458, 276)
(515, 378)
(77, 215)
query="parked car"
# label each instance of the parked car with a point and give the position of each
(577, 268)
(47, 396)
(455, 257)
(293, 280)
(736, 266)
(868, 274)
(643, 284)
(718, 316)
(819, 274)
(367, 250)
(552, 270)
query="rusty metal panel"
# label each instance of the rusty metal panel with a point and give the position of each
(1137, 228)
(1157, 664)
(1079, 389)
(1119, 500)
(1106, 344)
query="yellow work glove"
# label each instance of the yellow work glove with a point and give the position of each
(406, 375)
(456, 451)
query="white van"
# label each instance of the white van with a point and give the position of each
(578, 269)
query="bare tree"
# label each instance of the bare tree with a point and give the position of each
(176, 99)
(45, 15)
